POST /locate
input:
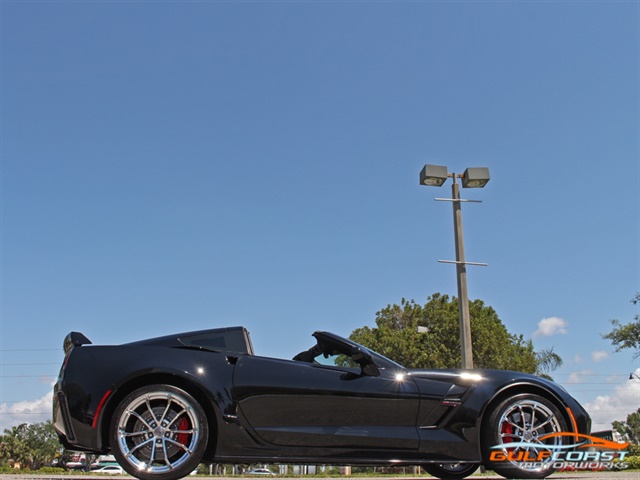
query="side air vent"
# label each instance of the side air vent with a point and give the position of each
(452, 402)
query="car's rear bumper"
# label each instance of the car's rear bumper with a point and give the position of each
(66, 428)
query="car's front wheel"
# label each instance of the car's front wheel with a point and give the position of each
(159, 432)
(450, 471)
(518, 437)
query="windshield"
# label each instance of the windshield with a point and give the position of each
(334, 350)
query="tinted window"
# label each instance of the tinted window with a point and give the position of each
(230, 341)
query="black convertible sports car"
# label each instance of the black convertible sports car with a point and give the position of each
(163, 405)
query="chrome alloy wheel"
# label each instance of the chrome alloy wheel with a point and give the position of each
(527, 422)
(158, 431)
(518, 438)
(450, 471)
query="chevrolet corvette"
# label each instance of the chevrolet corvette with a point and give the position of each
(163, 405)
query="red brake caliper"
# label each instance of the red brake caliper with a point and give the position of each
(508, 429)
(183, 424)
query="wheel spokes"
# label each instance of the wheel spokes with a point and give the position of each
(166, 409)
(158, 432)
(524, 423)
(141, 419)
(545, 423)
(181, 446)
(139, 446)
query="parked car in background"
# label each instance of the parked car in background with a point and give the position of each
(260, 471)
(111, 469)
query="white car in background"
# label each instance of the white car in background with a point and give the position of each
(260, 471)
(110, 469)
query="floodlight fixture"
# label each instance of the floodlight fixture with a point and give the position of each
(631, 375)
(475, 177)
(433, 175)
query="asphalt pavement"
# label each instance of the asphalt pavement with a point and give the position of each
(603, 475)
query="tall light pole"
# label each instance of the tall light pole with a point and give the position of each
(435, 176)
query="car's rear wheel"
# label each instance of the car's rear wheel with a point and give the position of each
(159, 432)
(450, 471)
(520, 432)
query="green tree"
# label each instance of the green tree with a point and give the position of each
(32, 445)
(13, 445)
(630, 429)
(42, 443)
(548, 361)
(627, 335)
(437, 344)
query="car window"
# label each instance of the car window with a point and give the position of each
(333, 350)
(336, 360)
(230, 341)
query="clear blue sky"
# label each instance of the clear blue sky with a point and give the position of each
(171, 166)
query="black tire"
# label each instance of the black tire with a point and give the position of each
(159, 432)
(450, 471)
(522, 419)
